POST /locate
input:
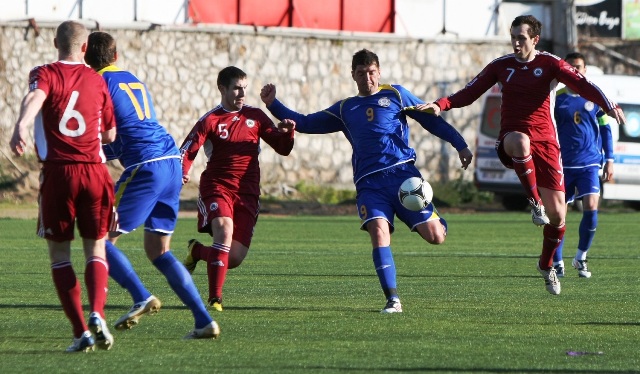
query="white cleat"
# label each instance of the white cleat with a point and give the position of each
(150, 306)
(84, 343)
(393, 306)
(210, 331)
(538, 215)
(97, 325)
(550, 280)
(581, 266)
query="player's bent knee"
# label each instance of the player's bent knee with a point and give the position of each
(433, 237)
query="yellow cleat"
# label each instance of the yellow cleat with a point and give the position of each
(216, 304)
(190, 262)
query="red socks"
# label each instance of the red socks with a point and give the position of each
(526, 172)
(96, 277)
(552, 236)
(68, 288)
(217, 266)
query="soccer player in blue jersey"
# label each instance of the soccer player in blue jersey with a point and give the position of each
(148, 191)
(585, 137)
(375, 123)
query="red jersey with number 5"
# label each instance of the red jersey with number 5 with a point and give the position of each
(77, 109)
(528, 92)
(232, 145)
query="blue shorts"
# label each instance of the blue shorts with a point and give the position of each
(377, 197)
(149, 193)
(581, 182)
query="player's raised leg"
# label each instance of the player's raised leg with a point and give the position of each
(517, 146)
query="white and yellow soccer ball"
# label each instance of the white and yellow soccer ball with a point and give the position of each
(415, 193)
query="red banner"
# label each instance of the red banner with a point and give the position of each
(347, 15)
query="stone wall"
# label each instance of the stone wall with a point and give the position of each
(311, 71)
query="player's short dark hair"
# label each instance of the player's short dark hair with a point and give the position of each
(228, 74)
(364, 57)
(101, 50)
(535, 26)
(575, 56)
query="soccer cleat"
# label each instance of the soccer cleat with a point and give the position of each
(538, 215)
(150, 306)
(216, 303)
(393, 306)
(97, 325)
(84, 343)
(210, 331)
(550, 280)
(190, 262)
(559, 270)
(581, 266)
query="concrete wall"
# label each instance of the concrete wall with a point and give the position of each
(311, 71)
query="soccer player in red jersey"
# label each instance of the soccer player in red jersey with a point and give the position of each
(528, 141)
(73, 116)
(228, 204)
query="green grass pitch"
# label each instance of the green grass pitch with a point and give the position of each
(307, 300)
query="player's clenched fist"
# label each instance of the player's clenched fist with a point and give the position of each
(268, 93)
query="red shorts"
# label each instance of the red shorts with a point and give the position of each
(71, 193)
(220, 202)
(547, 161)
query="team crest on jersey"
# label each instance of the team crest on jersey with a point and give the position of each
(213, 207)
(537, 72)
(250, 123)
(588, 106)
(384, 102)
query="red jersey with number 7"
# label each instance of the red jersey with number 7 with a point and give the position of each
(77, 109)
(528, 92)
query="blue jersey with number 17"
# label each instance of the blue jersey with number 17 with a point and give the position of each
(375, 125)
(140, 137)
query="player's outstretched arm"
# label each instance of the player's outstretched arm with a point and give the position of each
(429, 108)
(465, 157)
(618, 114)
(268, 94)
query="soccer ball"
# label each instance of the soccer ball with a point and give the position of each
(415, 193)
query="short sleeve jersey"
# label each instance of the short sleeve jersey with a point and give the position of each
(77, 109)
(528, 92)
(578, 130)
(232, 147)
(140, 136)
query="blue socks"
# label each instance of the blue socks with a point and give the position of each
(587, 229)
(122, 272)
(386, 270)
(557, 256)
(182, 284)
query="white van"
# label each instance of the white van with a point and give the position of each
(491, 175)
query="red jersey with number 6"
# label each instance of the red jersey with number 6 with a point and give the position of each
(77, 109)
(528, 92)
(232, 145)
